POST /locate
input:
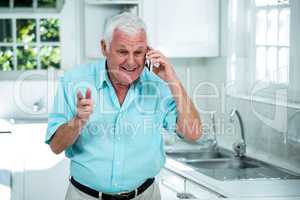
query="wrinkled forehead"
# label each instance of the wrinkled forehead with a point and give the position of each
(132, 38)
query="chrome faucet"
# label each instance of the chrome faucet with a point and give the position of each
(239, 147)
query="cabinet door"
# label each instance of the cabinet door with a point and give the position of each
(183, 28)
(170, 184)
(45, 174)
(172, 181)
(166, 192)
(199, 191)
(95, 17)
(5, 166)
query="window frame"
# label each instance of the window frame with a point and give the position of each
(38, 43)
(34, 8)
(275, 83)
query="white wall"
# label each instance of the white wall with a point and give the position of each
(35, 85)
(192, 72)
(278, 143)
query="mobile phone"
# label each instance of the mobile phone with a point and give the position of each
(149, 64)
(147, 61)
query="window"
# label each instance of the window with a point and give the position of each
(272, 40)
(13, 5)
(29, 42)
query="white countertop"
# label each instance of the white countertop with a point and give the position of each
(243, 189)
(236, 188)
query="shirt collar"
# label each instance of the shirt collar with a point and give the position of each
(142, 76)
(101, 75)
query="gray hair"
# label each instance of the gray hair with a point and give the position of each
(126, 22)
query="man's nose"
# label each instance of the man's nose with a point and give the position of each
(131, 60)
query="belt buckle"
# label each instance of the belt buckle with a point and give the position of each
(126, 194)
(123, 194)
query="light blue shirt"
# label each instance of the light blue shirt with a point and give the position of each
(121, 145)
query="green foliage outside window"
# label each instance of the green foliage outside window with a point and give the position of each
(27, 52)
(26, 30)
(6, 59)
(46, 3)
(50, 57)
(29, 3)
(49, 30)
(6, 30)
(26, 58)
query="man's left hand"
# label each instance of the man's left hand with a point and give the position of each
(161, 66)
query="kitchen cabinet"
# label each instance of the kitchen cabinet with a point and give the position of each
(170, 184)
(199, 191)
(174, 186)
(5, 165)
(183, 28)
(44, 175)
(166, 192)
(95, 15)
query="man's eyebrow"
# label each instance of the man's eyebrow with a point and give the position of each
(122, 47)
(141, 48)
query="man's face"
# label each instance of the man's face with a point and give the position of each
(126, 57)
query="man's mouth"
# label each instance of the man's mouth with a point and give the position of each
(129, 69)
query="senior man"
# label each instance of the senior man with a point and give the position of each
(108, 116)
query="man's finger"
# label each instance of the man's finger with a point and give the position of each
(79, 95)
(88, 94)
(85, 107)
(85, 102)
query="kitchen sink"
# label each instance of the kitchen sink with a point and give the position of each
(193, 156)
(222, 165)
(240, 169)
(233, 163)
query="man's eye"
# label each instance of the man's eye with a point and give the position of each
(123, 52)
(139, 53)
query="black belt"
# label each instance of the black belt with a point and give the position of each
(119, 196)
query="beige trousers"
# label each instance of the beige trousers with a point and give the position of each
(152, 193)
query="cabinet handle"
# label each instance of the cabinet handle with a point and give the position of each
(185, 195)
(5, 132)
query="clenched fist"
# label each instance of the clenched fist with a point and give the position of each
(84, 106)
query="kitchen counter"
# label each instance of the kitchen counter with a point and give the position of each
(234, 190)
(242, 188)
(238, 188)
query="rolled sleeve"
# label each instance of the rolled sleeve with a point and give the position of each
(170, 118)
(61, 111)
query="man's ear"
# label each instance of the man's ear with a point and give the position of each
(104, 48)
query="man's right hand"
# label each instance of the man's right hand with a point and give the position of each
(84, 106)
(68, 133)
